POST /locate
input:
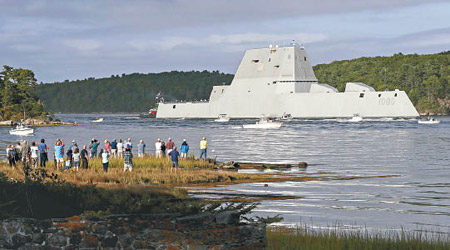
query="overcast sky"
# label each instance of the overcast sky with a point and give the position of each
(62, 39)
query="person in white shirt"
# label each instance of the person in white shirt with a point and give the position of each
(158, 148)
(76, 158)
(120, 149)
(105, 159)
(34, 155)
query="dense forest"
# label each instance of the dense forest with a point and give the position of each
(18, 95)
(128, 93)
(425, 78)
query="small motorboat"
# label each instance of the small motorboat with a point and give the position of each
(430, 120)
(21, 130)
(286, 117)
(222, 118)
(98, 120)
(264, 123)
(356, 118)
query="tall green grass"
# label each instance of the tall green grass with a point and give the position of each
(305, 238)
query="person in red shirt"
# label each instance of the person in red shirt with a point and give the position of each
(169, 146)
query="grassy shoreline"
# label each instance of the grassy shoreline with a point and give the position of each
(303, 237)
(147, 171)
(152, 171)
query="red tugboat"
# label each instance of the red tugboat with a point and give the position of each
(152, 112)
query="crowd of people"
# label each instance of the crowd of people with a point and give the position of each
(77, 157)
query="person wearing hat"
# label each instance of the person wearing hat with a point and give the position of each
(141, 148)
(203, 147)
(127, 159)
(184, 149)
(73, 146)
(158, 150)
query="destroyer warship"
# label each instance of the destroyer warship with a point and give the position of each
(276, 81)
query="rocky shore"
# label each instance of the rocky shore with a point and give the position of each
(37, 122)
(153, 231)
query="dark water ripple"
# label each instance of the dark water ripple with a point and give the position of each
(418, 198)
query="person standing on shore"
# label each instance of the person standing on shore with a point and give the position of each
(129, 144)
(120, 149)
(184, 149)
(11, 154)
(169, 146)
(203, 147)
(114, 148)
(73, 145)
(18, 153)
(163, 148)
(59, 153)
(127, 160)
(43, 153)
(105, 160)
(174, 155)
(107, 146)
(141, 148)
(34, 155)
(94, 147)
(69, 157)
(84, 158)
(26, 153)
(158, 148)
(76, 158)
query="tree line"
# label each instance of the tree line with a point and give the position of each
(425, 78)
(128, 93)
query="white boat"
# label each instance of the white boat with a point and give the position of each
(264, 123)
(98, 120)
(21, 130)
(222, 118)
(280, 79)
(356, 118)
(430, 120)
(286, 117)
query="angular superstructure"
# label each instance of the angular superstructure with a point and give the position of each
(280, 80)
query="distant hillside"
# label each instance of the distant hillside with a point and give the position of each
(425, 78)
(128, 93)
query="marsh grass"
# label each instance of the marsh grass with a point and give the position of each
(146, 171)
(303, 237)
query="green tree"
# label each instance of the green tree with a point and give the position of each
(18, 94)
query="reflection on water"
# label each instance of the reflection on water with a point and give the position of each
(419, 154)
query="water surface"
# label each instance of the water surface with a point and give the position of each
(417, 198)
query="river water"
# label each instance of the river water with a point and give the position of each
(416, 198)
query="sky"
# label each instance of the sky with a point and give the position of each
(64, 39)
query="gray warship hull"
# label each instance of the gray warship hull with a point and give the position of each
(278, 81)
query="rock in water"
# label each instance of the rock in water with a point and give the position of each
(302, 164)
